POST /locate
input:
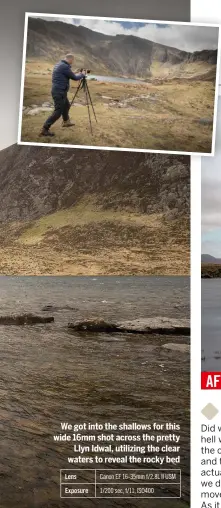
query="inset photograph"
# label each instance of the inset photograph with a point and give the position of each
(211, 256)
(119, 84)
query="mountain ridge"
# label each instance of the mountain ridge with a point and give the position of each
(121, 54)
(207, 258)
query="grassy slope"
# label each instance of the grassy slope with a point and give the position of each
(191, 69)
(167, 121)
(85, 241)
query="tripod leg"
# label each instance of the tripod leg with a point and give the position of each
(89, 95)
(88, 107)
(75, 95)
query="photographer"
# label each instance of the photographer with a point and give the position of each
(61, 75)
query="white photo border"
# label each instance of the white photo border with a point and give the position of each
(132, 20)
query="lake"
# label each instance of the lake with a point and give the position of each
(211, 325)
(114, 79)
(51, 374)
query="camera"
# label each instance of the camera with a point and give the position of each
(86, 70)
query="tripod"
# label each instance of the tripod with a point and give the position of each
(84, 86)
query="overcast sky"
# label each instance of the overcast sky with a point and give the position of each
(211, 197)
(185, 37)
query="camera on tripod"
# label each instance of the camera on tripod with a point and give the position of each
(83, 85)
(87, 71)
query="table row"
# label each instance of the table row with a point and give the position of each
(120, 475)
(90, 490)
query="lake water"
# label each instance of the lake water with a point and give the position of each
(51, 374)
(108, 296)
(211, 325)
(114, 79)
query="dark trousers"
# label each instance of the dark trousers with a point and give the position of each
(61, 108)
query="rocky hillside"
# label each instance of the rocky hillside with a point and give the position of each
(52, 179)
(210, 267)
(211, 271)
(116, 55)
(90, 211)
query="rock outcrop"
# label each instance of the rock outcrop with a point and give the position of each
(157, 325)
(36, 182)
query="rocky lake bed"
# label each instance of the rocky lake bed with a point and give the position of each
(52, 372)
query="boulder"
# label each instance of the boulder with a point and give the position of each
(46, 105)
(36, 111)
(25, 319)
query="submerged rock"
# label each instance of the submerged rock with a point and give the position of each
(159, 325)
(53, 308)
(25, 319)
(182, 348)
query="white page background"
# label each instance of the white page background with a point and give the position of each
(202, 11)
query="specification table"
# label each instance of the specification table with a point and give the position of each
(120, 483)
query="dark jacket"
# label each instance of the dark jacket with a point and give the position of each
(61, 75)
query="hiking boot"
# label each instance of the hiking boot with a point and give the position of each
(67, 123)
(46, 132)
